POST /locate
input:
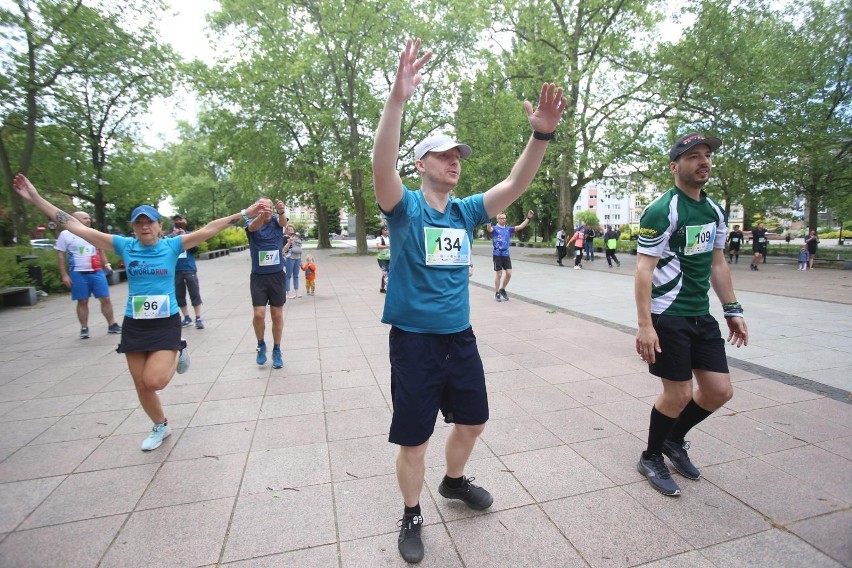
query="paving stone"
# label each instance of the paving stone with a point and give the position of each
(213, 440)
(511, 379)
(638, 385)
(289, 431)
(179, 416)
(286, 468)
(692, 559)
(595, 525)
(93, 494)
(22, 392)
(776, 494)
(125, 450)
(18, 499)
(358, 458)
(226, 411)
(294, 384)
(746, 400)
(500, 406)
(77, 384)
(565, 373)
(108, 402)
(46, 460)
(319, 557)
(578, 425)
(750, 436)
(517, 435)
(553, 473)
(183, 535)
(81, 543)
(629, 415)
(22, 432)
(770, 548)
(840, 446)
(348, 379)
(189, 481)
(224, 390)
(82, 426)
(44, 407)
(358, 423)
(777, 391)
(800, 425)
(829, 533)
(522, 537)
(355, 397)
(615, 456)
(703, 515)
(436, 454)
(291, 404)
(593, 392)
(828, 409)
(274, 522)
(810, 462)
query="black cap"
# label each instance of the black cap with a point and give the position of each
(178, 216)
(690, 141)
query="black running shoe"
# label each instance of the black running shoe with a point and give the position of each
(498, 297)
(654, 469)
(504, 294)
(676, 452)
(474, 496)
(409, 543)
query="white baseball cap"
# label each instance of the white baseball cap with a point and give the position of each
(440, 143)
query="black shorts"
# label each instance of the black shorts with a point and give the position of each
(267, 289)
(687, 343)
(432, 372)
(502, 263)
(761, 249)
(143, 335)
(734, 247)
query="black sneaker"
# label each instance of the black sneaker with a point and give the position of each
(114, 329)
(654, 469)
(498, 297)
(504, 294)
(474, 496)
(84, 333)
(676, 452)
(409, 543)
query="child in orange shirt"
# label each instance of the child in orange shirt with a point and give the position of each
(310, 274)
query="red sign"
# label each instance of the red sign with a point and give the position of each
(41, 228)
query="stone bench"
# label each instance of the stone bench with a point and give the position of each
(18, 296)
(213, 254)
(239, 248)
(118, 274)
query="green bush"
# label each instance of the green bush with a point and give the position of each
(11, 272)
(847, 234)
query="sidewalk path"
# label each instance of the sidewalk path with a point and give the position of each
(292, 467)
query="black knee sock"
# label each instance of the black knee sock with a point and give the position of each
(691, 415)
(658, 431)
(415, 510)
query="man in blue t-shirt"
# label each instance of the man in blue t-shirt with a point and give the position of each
(500, 236)
(435, 364)
(186, 277)
(266, 239)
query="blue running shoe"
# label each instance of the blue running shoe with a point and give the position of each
(186, 322)
(277, 359)
(261, 353)
(114, 329)
(155, 439)
(84, 333)
(183, 360)
(199, 324)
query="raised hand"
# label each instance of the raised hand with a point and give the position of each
(24, 188)
(551, 103)
(279, 206)
(530, 214)
(408, 72)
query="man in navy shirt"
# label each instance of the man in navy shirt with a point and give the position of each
(500, 236)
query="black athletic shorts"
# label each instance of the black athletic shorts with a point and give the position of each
(502, 263)
(687, 343)
(431, 372)
(734, 246)
(142, 335)
(759, 249)
(267, 289)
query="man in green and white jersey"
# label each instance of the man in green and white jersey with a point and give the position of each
(681, 253)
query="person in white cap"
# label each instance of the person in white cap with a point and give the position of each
(435, 364)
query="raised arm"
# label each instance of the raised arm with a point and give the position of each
(27, 191)
(215, 227)
(525, 222)
(386, 144)
(544, 120)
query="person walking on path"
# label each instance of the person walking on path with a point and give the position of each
(435, 364)
(383, 257)
(500, 238)
(151, 332)
(85, 263)
(186, 277)
(266, 242)
(681, 254)
(758, 245)
(610, 246)
(804, 257)
(292, 261)
(589, 243)
(310, 269)
(812, 240)
(577, 239)
(561, 248)
(735, 240)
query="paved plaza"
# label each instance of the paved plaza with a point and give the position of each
(292, 467)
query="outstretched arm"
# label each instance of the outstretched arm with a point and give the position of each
(215, 227)
(525, 222)
(27, 191)
(386, 144)
(544, 119)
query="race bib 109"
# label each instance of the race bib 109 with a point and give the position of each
(699, 238)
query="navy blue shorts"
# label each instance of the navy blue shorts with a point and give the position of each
(431, 372)
(687, 343)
